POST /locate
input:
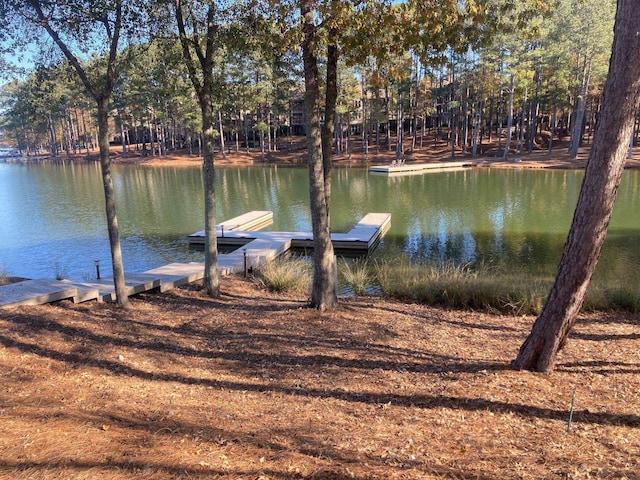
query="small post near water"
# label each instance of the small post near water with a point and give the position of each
(97, 264)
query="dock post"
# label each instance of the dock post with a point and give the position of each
(246, 266)
(335, 274)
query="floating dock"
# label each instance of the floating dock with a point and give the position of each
(247, 222)
(363, 237)
(256, 248)
(413, 168)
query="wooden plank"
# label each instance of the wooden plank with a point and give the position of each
(134, 283)
(177, 274)
(85, 293)
(35, 292)
(253, 220)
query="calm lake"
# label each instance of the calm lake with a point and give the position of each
(52, 219)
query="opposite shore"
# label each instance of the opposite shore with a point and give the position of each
(559, 158)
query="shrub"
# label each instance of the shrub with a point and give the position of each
(285, 275)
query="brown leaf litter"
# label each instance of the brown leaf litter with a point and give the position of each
(255, 385)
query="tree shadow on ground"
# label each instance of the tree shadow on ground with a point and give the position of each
(422, 401)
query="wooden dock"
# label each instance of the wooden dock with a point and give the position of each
(415, 168)
(256, 248)
(364, 236)
(247, 222)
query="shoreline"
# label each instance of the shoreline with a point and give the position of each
(538, 159)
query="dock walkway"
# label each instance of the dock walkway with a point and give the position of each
(257, 247)
(413, 168)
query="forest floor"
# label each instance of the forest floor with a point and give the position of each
(255, 386)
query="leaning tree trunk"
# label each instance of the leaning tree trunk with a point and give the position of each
(621, 98)
(323, 294)
(110, 204)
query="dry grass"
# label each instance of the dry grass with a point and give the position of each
(256, 386)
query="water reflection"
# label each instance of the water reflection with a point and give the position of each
(52, 216)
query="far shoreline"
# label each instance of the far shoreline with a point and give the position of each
(559, 159)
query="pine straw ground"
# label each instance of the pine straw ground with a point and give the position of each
(256, 386)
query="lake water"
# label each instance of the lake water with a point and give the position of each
(52, 219)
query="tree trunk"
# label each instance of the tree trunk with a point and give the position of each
(554, 121)
(578, 120)
(387, 106)
(123, 140)
(621, 98)
(203, 89)
(507, 141)
(110, 203)
(399, 131)
(331, 98)
(365, 123)
(52, 137)
(211, 282)
(221, 128)
(477, 118)
(323, 294)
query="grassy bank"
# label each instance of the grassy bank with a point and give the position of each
(485, 288)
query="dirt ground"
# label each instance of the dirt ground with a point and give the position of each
(256, 386)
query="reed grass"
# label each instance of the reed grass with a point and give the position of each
(600, 298)
(285, 275)
(356, 275)
(463, 286)
(496, 289)
(4, 276)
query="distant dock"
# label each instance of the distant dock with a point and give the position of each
(256, 248)
(414, 168)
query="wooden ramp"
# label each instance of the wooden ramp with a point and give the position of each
(36, 292)
(413, 168)
(177, 274)
(134, 283)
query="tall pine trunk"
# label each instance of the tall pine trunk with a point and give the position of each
(202, 81)
(621, 99)
(110, 202)
(581, 105)
(211, 282)
(507, 141)
(323, 293)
